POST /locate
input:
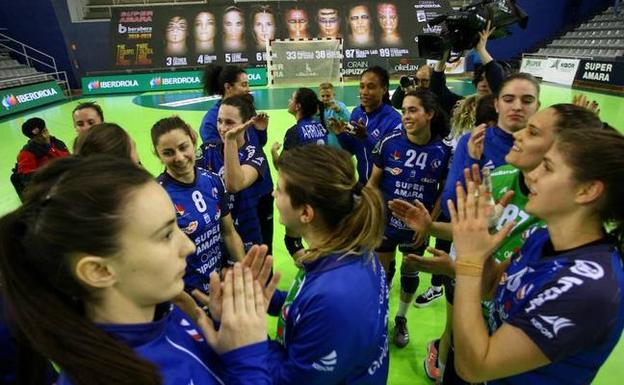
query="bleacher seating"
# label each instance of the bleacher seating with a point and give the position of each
(601, 37)
(13, 73)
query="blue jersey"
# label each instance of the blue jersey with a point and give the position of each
(199, 208)
(570, 304)
(496, 146)
(337, 325)
(379, 123)
(243, 205)
(411, 171)
(209, 134)
(175, 345)
(305, 131)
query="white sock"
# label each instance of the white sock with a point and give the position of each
(403, 306)
(437, 289)
(441, 368)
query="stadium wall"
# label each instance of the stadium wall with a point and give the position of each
(84, 47)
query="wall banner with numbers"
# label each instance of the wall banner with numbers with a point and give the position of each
(224, 32)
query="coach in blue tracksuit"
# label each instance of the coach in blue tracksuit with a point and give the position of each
(516, 102)
(332, 326)
(373, 119)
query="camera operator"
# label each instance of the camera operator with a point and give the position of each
(487, 78)
(420, 80)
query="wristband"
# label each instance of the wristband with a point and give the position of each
(468, 269)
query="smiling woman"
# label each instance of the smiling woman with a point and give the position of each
(558, 302)
(200, 201)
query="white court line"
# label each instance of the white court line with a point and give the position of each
(187, 102)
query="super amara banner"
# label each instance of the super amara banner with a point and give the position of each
(237, 33)
(24, 98)
(600, 74)
(162, 81)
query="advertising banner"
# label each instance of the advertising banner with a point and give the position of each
(161, 81)
(535, 66)
(24, 98)
(237, 33)
(561, 71)
(305, 61)
(601, 73)
(551, 69)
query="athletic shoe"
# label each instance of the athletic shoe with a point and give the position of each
(428, 297)
(401, 335)
(431, 361)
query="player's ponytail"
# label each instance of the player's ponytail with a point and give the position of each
(324, 177)
(73, 209)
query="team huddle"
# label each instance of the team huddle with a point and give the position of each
(116, 276)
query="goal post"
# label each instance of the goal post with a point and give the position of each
(304, 62)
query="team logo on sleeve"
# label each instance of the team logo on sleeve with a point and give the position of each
(589, 269)
(396, 155)
(556, 324)
(188, 328)
(179, 209)
(190, 229)
(436, 164)
(215, 192)
(524, 291)
(327, 363)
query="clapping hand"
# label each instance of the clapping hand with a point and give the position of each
(243, 316)
(470, 222)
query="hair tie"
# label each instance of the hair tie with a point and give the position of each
(356, 193)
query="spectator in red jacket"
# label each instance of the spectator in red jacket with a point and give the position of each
(40, 149)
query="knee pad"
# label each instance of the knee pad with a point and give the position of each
(293, 244)
(409, 281)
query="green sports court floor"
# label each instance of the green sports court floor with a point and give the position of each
(137, 113)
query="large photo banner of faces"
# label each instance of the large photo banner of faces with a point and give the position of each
(374, 32)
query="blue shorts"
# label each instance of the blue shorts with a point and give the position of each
(404, 239)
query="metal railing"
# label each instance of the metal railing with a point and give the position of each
(33, 58)
(59, 77)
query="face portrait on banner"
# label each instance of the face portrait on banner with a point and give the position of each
(234, 30)
(361, 32)
(328, 20)
(297, 23)
(388, 19)
(204, 32)
(176, 33)
(263, 26)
